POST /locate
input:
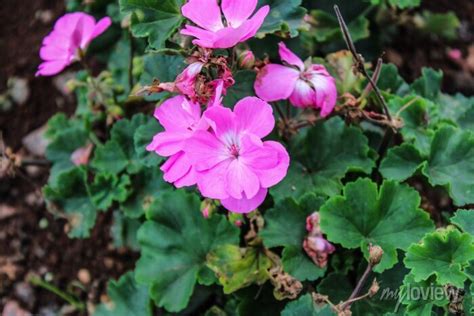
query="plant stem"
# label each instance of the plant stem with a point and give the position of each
(280, 112)
(36, 281)
(358, 287)
(130, 61)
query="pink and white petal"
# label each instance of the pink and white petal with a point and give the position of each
(178, 167)
(211, 183)
(304, 95)
(221, 120)
(216, 100)
(256, 155)
(237, 11)
(253, 24)
(245, 205)
(270, 176)
(205, 13)
(229, 36)
(51, 68)
(197, 32)
(275, 82)
(240, 179)
(289, 57)
(168, 143)
(326, 93)
(178, 114)
(255, 116)
(101, 27)
(204, 150)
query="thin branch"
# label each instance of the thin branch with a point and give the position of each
(358, 287)
(130, 61)
(359, 61)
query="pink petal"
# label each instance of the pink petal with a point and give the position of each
(83, 32)
(254, 116)
(101, 27)
(254, 24)
(229, 36)
(289, 57)
(177, 170)
(168, 143)
(216, 100)
(204, 38)
(205, 13)
(256, 155)
(304, 95)
(212, 182)
(237, 11)
(240, 179)
(177, 114)
(275, 82)
(270, 176)
(204, 150)
(186, 80)
(51, 52)
(245, 205)
(221, 120)
(326, 91)
(51, 68)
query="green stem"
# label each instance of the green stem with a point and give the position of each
(95, 140)
(36, 281)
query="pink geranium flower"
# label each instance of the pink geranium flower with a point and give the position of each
(180, 118)
(72, 34)
(210, 32)
(305, 86)
(231, 161)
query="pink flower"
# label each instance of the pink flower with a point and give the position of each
(231, 161)
(210, 32)
(309, 86)
(72, 33)
(180, 118)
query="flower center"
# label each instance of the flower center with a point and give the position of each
(234, 150)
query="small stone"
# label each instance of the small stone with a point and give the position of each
(24, 292)
(12, 308)
(84, 276)
(19, 90)
(35, 142)
(109, 263)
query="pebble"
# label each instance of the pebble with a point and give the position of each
(84, 276)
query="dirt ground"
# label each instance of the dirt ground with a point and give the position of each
(31, 240)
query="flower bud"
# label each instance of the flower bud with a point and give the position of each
(374, 288)
(375, 255)
(247, 60)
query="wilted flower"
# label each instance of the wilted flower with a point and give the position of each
(180, 118)
(305, 86)
(186, 81)
(211, 32)
(315, 245)
(70, 37)
(231, 161)
(81, 155)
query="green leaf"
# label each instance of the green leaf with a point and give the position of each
(465, 220)
(242, 88)
(285, 16)
(110, 158)
(238, 267)
(451, 163)
(305, 306)
(326, 27)
(148, 185)
(401, 162)
(108, 188)
(402, 4)
(285, 225)
(127, 299)
(162, 67)
(442, 24)
(143, 136)
(175, 242)
(391, 81)
(444, 254)
(457, 109)
(429, 84)
(70, 194)
(390, 218)
(156, 20)
(124, 231)
(421, 296)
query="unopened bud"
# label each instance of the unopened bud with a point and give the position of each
(375, 255)
(374, 288)
(247, 60)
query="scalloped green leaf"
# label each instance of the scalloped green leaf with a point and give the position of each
(238, 267)
(389, 217)
(127, 298)
(143, 136)
(70, 193)
(155, 20)
(465, 220)
(110, 158)
(451, 163)
(429, 84)
(285, 16)
(444, 254)
(147, 186)
(108, 188)
(124, 231)
(242, 88)
(401, 162)
(402, 4)
(285, 225)
(175, 242)
(305, 306)
(457, 109)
